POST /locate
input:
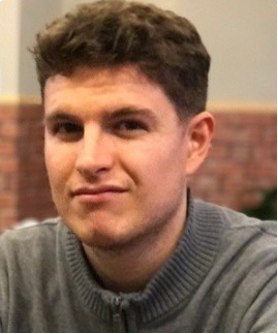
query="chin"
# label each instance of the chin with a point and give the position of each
(108, 242)
(104, 236)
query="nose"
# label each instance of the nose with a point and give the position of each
(95, 155)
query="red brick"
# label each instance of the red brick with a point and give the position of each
(9, 130)
(9, 165)
(8, 183)
(7, 201)
(7, 148)
(8, 112)
(8, 218)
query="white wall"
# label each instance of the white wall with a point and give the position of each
(34, 14)
(9, 46)
(239, 34)
(19, 22)
(241, 38)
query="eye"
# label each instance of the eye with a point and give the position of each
(130, 126)
(67, 131)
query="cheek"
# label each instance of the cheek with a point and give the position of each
(158, 165)
(59, 163)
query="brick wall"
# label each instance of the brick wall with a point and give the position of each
(24, 190)
(8, 165)
(242, 161)
(240, 167)
(34, 198)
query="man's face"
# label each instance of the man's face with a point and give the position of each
(115, 154)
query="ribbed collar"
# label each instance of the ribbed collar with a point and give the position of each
(174, 283)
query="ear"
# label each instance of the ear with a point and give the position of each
(200, 129)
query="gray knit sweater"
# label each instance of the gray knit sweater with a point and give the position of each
(221, 278)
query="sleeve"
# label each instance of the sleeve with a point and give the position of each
(1, 297)
(261, 316)
(3, 286)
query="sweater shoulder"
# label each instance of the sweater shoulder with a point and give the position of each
(240, 221)
(237, 222)
(19, 242)
(242, 280)
(252, 233)
(244, 242)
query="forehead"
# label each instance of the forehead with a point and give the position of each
(105, 89)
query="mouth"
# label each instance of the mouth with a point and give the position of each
(98, 194)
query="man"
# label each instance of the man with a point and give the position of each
(124, 90)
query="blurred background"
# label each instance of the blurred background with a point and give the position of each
(240, 172)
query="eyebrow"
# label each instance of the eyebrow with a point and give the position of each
(60, 116)
(129, 111)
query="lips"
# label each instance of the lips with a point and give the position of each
(87, 191)
(98, 195)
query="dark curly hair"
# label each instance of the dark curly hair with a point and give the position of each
(164, 46)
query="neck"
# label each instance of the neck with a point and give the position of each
(129, 268)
